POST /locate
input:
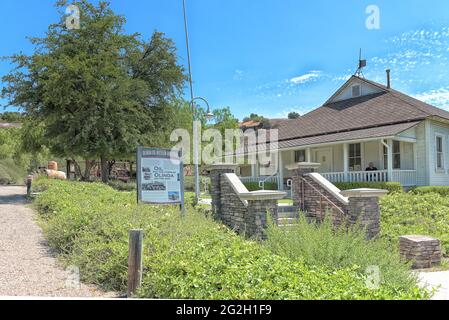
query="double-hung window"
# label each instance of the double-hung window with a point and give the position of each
(355, 157)
(439, 152)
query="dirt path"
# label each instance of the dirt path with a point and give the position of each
(27, 267)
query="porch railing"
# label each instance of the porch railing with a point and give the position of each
(273, 179)
(406, 177)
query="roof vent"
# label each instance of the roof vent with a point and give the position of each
(388, 78)
(356, 91)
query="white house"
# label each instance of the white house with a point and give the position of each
(366, 122)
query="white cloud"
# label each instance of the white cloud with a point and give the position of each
(438, 98)
(238, 74)
(310, 76)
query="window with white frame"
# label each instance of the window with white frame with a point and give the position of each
(300, 156)
(355, 157)
(396, 155)
(439, 152)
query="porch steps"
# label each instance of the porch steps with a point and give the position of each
(287, 216)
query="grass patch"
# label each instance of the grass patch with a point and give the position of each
(191, 257)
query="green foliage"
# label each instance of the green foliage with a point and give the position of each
(97, 91)
(294, 115)
(338, 248)
(11, 117)
(191, 257)
(390, 186)
(254, 186)
(441, 190)
(422, 214)
(189, 183)
(10, 172)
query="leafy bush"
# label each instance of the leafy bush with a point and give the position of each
(191, 257)
(443, 191)
(254, 186)
(189, 183)
(338, 248)
(423, 214)
(390, 186)
(11, 173)
(123, 186)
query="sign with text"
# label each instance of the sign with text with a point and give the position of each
(159, 176)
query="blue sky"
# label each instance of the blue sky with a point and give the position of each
(275, 56)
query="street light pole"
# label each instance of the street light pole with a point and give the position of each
(192, 101)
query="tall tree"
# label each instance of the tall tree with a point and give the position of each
(99, 92)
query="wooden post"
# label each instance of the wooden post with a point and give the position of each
(29, 182)
(134, 261)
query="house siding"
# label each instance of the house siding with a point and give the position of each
(438, 177)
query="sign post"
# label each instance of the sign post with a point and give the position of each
(160, 177)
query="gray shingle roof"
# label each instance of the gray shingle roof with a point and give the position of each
(375, 110)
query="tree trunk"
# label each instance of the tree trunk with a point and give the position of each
(104, 169)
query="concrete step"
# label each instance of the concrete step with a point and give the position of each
(287, 221)
(288, 209)
(293, 214)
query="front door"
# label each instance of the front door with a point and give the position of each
(324, 158)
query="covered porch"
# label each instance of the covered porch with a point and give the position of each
(391, 159)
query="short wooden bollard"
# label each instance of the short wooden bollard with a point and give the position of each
(134, 261)
(29, 182)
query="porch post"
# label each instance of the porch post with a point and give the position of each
(346, 161)
(308, 155)
(390, 160)
(280, 172)
(254, 170)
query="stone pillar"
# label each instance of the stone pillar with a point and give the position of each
(298, 172)
(424, 252)
(215, 173)
(364, 209)
(260, 205)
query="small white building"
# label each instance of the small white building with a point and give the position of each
(406, 140)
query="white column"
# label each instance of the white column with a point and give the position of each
(390, 159)
(346, 161)
(308, 155)
(254, 170)
(280, 172)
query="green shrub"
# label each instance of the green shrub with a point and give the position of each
(443, 191)
(184, 257)
(338, 248)
(10, 173)
(123, 186)
(390, 186)
(422, 214)
(189, 183)
(254, 186)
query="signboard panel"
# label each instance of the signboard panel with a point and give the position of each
(159, 176)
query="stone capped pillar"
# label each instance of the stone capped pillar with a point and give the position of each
(260, 204)
(423, 251)
(364, 208)
(299, 170)
(215, 173)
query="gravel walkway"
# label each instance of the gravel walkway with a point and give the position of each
(27, 267)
